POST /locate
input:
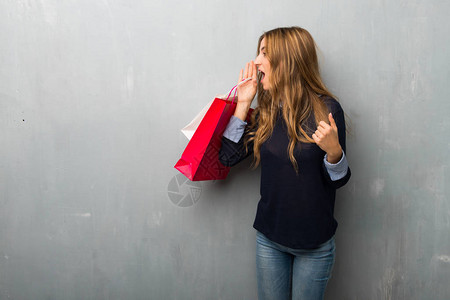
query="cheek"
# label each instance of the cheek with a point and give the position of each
(267, 67)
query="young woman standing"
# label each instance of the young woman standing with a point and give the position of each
(297, 134)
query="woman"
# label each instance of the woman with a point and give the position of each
(297, 133)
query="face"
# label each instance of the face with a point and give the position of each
(263, 65)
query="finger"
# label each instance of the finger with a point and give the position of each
(319, 134)
(251, 71)
(240, 75)
(332, 122)
(323, 125)
(246, 71)
(255, 71)
(322, 130)
(315, 138)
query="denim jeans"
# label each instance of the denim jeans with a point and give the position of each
(284, 273)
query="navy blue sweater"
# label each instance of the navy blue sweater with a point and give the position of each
(296, 211)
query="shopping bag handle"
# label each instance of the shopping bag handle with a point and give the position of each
(235, 89)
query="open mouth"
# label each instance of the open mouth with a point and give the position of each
(262, 75)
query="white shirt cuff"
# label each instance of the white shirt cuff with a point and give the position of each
(338, 170)
(235, 129)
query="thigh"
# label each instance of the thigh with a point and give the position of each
(311, 271)
(273, 268)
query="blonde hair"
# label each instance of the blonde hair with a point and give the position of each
(296, 83)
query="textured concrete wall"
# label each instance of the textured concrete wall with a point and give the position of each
(92, 98)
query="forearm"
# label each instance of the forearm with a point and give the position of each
(232, 150)
(232, 153)
(242, 110)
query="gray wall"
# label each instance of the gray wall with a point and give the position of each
(92, 98)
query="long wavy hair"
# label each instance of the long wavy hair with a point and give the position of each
(295, 83)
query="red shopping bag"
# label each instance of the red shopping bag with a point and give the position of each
(200, 159)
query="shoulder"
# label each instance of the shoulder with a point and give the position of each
(332, 104)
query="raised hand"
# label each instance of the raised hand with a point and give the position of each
(247, 90)
(326, 137)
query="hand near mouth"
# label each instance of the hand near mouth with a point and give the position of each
(246, 91)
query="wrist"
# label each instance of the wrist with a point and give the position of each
(242, 111)
(333, 157)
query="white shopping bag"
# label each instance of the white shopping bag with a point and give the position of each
(190, 128)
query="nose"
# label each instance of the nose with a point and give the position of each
(258, 60)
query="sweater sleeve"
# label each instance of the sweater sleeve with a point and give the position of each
(233, 149)
(338, 115)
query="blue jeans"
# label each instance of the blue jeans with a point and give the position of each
(285, 273)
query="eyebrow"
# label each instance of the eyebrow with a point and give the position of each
(263, 48)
